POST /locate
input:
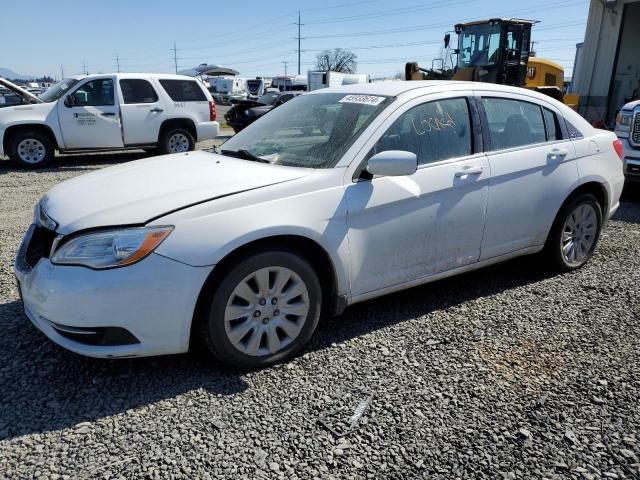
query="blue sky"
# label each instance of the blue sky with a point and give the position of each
(255, 37)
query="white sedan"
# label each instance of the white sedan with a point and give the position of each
(336, 197)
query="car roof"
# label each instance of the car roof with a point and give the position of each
(416, 88)
(398, 87)
(391, 88)
(167, 76)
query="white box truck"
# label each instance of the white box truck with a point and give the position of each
(317, 80)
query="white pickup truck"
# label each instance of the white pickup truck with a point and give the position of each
(167, 113)
(628, 131)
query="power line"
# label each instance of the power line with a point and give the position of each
(251, 50)
(388, 13)
(342, 5)
(449, 23)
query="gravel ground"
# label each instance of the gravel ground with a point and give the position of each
(510, 372)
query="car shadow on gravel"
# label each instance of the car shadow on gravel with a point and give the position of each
(448, 293)
(416, 302)
(45, 388)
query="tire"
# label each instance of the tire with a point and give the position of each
(574, 234)
(176, 140)
(247, 326)
(31, 149)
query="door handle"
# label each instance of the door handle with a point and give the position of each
(557, 154)
(108, 114)
(157, 110)
(469, 170)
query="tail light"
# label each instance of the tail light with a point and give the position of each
(212, 111)
(617, 145)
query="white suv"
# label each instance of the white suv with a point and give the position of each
(169, 113)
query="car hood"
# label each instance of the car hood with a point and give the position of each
(631, 105)
(138, 192)
(19, 90)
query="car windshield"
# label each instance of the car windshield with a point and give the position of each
(268, 98)
(311, 131)
(59, 89)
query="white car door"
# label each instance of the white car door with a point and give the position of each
(405, 228)
(142, 111)
(90, 117)
(533, 169)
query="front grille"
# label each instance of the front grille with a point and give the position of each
(40, 245)
(635, 129)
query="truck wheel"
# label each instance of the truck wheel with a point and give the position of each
(263, 311)
(31, 149)
(176, 140)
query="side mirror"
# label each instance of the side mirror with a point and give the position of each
(69, 101)
(447, 39)
(393, 163)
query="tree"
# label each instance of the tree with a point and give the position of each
(337, 60)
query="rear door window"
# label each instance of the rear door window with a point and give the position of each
(183, 90)
(513, 123)
(137, 91)
(434, 131)
(551, 125)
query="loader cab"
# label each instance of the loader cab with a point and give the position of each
(494, 51)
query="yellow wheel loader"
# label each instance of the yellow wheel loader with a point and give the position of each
(494, 51)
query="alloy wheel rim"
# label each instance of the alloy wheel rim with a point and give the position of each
(178, 143)
(266, 311)
(31, 150)
(579, 234)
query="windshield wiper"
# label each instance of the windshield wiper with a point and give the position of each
(245, 155)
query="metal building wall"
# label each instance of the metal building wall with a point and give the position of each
(593, 80)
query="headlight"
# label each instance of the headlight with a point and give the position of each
(623, 120)
(41, 218)
(110, 248)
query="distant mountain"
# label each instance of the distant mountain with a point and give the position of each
(8, 73)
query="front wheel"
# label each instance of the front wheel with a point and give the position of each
(263, 311)
(176, 140)
(31, 149)
(575, 233)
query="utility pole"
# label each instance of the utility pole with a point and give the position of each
(118, 63)
(299, 38)
(175, 56)
(61, 72)
(285, 67)
(85, 68)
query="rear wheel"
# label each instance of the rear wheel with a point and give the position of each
(31, 149)
(176, 140)
(575, 233)
(263, 311)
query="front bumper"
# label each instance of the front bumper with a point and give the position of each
(153, 300)
(631, 161)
